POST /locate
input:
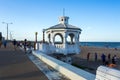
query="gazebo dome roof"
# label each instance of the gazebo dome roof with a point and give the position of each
(64, 26)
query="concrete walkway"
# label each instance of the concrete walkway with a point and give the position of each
(15, 65)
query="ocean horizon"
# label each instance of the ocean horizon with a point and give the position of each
(101, 44)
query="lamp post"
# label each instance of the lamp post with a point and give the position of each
(43, 35)
(36, 33)
(7, 27)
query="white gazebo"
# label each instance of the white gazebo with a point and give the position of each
(62, 39)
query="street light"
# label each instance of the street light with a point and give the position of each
(36, 33)
(43, 35)
(7, 27)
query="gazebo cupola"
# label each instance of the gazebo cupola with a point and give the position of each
(63, 20)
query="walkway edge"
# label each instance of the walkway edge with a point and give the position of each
(66, 69)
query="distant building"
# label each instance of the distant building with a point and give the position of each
(1, 37)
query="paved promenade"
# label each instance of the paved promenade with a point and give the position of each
(15, 65)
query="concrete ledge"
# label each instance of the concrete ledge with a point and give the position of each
(106, 73)
(66, 69)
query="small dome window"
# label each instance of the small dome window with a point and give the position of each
(65, 19)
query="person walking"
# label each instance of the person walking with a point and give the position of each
(103, 57)
(95, 56)
(88, 56)
(25, 45)
(114, 59)
(0, 39)
(109, 57)
(5, 43)
(14, 43)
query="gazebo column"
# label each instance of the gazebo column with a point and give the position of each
(52, 46)
(77, 43)
(65, 43)
(78, 37)
(65, 38)
(52, 38)
(71, 39)
(49, 38)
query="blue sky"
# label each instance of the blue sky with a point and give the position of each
(98, 19)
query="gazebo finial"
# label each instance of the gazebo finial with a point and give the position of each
(63, 19)
(63, 11)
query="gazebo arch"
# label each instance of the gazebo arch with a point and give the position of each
(71, 37)
(58, 38)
